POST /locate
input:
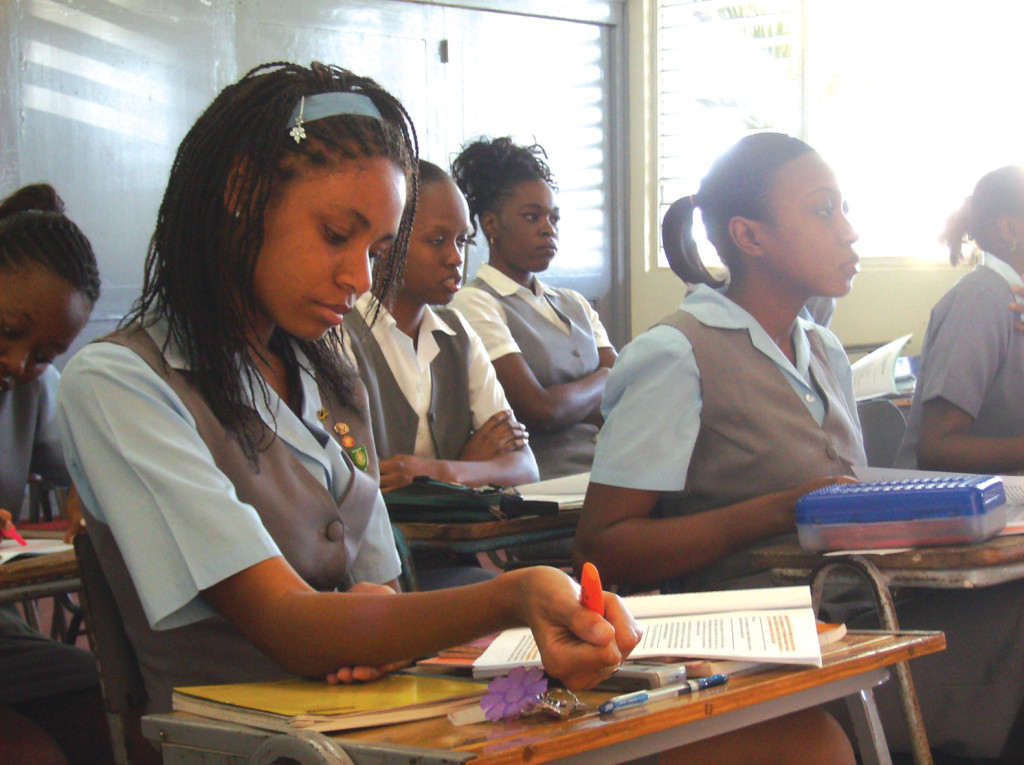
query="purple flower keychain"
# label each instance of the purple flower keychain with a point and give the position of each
(523, 691)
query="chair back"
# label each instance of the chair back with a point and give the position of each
(883, 426)
(124, 691)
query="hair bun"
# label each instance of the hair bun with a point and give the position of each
(38, 196)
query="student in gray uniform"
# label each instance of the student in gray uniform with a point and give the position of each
(967, 414)
(548, 345)
(436, 405)
(51, 710)
(755, 407)
(222, 445)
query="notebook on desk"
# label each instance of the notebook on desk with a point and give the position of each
(567, 492)
(426, 500)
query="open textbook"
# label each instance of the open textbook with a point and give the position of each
(10, 549)
(875, 374)
(773, 624)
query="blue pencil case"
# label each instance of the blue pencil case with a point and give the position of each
(913, 512)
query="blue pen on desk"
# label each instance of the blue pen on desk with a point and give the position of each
(657, 694)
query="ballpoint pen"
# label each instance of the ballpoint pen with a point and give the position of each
(657, 694)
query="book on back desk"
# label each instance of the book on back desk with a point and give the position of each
(314, 705)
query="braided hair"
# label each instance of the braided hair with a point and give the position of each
(998, 193)
(35, 231)
(487, 171)
(738, 184)
(199, 273)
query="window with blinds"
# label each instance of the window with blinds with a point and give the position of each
(724, 69)
(908, 102)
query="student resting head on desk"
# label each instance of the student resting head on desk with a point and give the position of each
(549, 348)
(221, 444)
(50, 704)
(966, 415)
(435, 401)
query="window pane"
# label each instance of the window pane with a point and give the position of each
(724, 69)
(910, 129)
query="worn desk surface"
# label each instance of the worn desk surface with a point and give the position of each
(39, 576)
(998, 560)
(856, 664)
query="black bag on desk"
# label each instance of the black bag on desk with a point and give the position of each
(428, 501)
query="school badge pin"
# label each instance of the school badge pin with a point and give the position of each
(340, 428)
(358, 455)
(322, 415)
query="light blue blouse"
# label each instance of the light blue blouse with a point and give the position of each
(141, 467)
(652, 401)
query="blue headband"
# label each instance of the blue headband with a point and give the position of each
(329, 104)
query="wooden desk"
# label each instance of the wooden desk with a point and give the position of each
(959, 566)
(39, 576)
(484, 536)
(852, 670)
(25, 580)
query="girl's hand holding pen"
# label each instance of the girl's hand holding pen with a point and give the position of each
(577, 645)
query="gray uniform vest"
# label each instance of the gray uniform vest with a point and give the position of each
(756, 436)
(554, 358)
(394, 420)
(300, 514)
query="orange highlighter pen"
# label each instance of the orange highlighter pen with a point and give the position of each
(591, 594)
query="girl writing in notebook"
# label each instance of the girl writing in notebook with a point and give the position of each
(221, 446)
(966, 415)
(50, 704)
(219, 441)
(755, 408)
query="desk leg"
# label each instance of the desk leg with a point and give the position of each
(868, 728)
(300, 747)
(887, 613)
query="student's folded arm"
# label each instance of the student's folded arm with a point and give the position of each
(946, 444)
(507, 469)
(618, 534)
(545, 409)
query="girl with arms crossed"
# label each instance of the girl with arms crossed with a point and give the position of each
(547, 344)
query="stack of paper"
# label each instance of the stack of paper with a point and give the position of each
(567, 491)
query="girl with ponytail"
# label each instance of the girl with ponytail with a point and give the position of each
(966, 415)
